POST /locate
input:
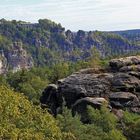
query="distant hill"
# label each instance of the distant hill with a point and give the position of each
(132, 35)
(47, 43)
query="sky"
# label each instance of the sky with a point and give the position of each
(103, 15)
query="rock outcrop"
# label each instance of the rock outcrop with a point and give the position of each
(18, 58)
(3, 63)
(48, 42)
(122, 62)
(52, 100)
(81, 105)
(120, 89)
(15, 59)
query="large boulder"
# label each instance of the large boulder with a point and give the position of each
(123, 100)
(51, 99)
(82, 85)
(81, 105)
(119, 84)
(122, 96)
(127, 61)
(124, 82)
(130, 68)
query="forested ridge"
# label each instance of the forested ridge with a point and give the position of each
(47, 42)
(33, 56)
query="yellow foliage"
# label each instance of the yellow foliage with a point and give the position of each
(20, 119)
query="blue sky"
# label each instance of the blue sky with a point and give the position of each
(76, 14)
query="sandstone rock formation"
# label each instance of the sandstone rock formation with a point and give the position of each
(81, 105)
(120, 88)
(15, 59)
(3, 63)
(52, 100)
(18, 58)
(122, 62)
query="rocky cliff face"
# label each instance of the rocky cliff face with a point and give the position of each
(15, 59)
(48, 42)
(117, 86)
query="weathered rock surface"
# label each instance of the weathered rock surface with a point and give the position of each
(81, 105)
(52, 99)
(122, 100)
(124, 82)
(80, 85)
(118, 63)
(120, 88)
(130, 68)
(18, 58)
(15, 59)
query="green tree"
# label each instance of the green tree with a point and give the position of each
(28, 83)
(131, 125)
(133, 131)
(102, 118)
(103, 125)
(20, 119)
(59, 71)
(94, 61)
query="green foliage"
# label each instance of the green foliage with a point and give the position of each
(103, 118)
(131, 124)
(133, 131)
(67, 122)
(95, 58)
(48, 43)
(51, 48)
(114, 135)
(59, 71)
(20, 119)
(4, 43)
(3, 80)
(28, 83)
(49, 25)
(130, 118)
(103, 125)
(34, 81)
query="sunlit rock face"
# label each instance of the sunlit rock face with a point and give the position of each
(15, 59)
(119, 89)
(18, 58)
(3, 63)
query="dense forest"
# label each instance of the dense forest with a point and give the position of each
(47, 43)
(36, 55)
(22, 117)
(132, 35)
